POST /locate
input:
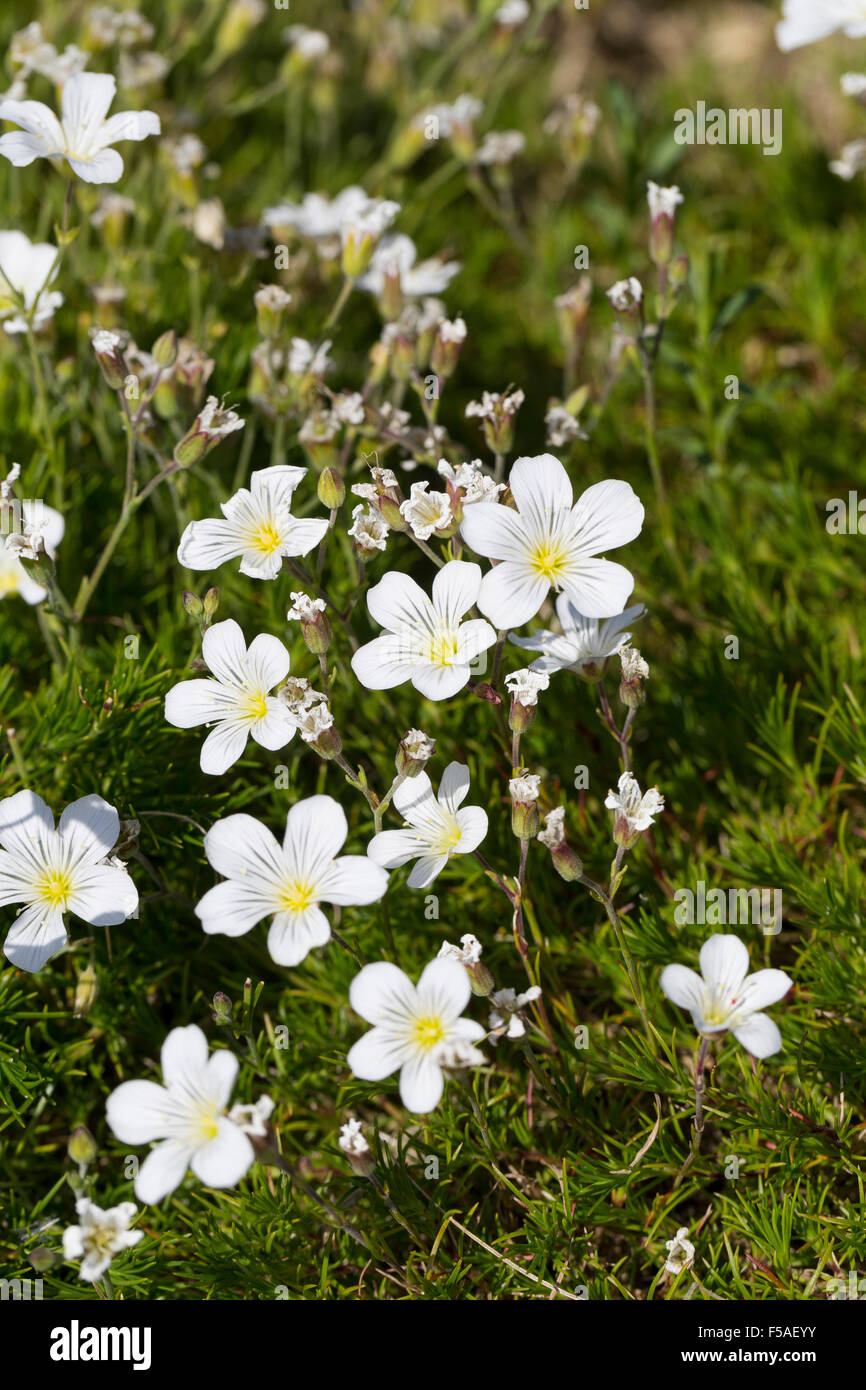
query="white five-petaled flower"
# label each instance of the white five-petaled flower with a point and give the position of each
(258, 526)
(26, 271)
(585, 643)
(416, 1029)
(552, 541)
(474, 484)
(634, 812)
(426, 512)
(681, 1252)
(287, 881)
(237, 701)
(440, 826)
(663, 202)
(807, 21)
(398, 256)
(352, 1140)
(467, 953)
(84, 134)
(425, 640)
(187, 1113)
(99, 1236)
(39, 524)
(56, 871)
(728, 998)
(524, 685)
(506, 1012)
(626, 295)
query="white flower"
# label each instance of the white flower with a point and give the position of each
(305, 358)
(467, 953)
(663, 202)
(728, 997)
(99, 1236)
(84, 137)
(287, 881)
(313, 722)
(451, 330)
(426, 512)
(505, 1013)
(439, 827)
(638, 811)
(187, 1113)
(561, 427)
(474, 483)
(56, 871)
(585, 644)
(524, 789)
(553, 834)
(238, 701)
(425, 641)
(318, 217)
(369, 530)
(460, 114)
(416, 1029)
(258, 526)
(26, 271)
(551, 540)
(524, 685)
(512, 13)
(851, 161)
(253, 1119)
(681, 1252)
(352, 1140)
(494, 406)
(207, 221)
(500, 146)
(396, 255)
(304, 607)
(349, 408)
(806, 21)
(626, 295)
(40, 524)
(853, 84)
(309, 44)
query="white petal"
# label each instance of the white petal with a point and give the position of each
(275, 730)
(37, 119)
(377, 1054)
(240, 847)
(136, 1112)
(26, 827)
(223, 1161)
(103, 896)
(724, 964)
(495, 531)
(428, 868)
(184, 1057)
(541, 488)
(397, 602)
(443, 989)
(205, 545)
(421, 1083)
(683, 987)
(439, 682)
(353, 880)
(599, 588)
(225, 652)
(234, 907)
(268, 661)
(392, 848)
(104, 167)
(273, 487)
(35, 936)
(293, 935)
(220, 1075)
(21, 148)
(316, 831)
(89, 829)
(129, 125)
(191, 703)
(382, 663)
(473, 828)
(224, 745)
(454, 786)
(304, 533)
(381, 993)
(759, 1035)
(511, 593)
(455, 589)
(763, 988)
(85, 100)
(162, 1171)
(473, 638)
(608, 514)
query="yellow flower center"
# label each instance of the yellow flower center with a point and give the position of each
(254, 705)
(442, 649)
(55, 888)
(266, 538)
(547, 559)
(205, 1122)
(427, 1032)
(297, 896)
(9, 581)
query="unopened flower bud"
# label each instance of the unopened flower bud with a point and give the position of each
(42, 1259)
(634, 672)
(567, 863)
(663, 204)
(193, 604)
(211, 603)
(271, 303)
(356, 1149)
(81, 1147)
(524, 686)
(331, 489)
(524, 805)
(106, 345)
(222, 1009)
(310, 613)
(86, 990)
(164, 350)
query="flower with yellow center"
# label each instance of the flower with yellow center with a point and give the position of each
(286, 882)
(56, 871)
(725, 997)
(425, 640)
(257, 525)
(187, 1114)
(34, 520)
(439, 827)
(551, 541)
(417, 1029)
(99, 1236)
(236, 701)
